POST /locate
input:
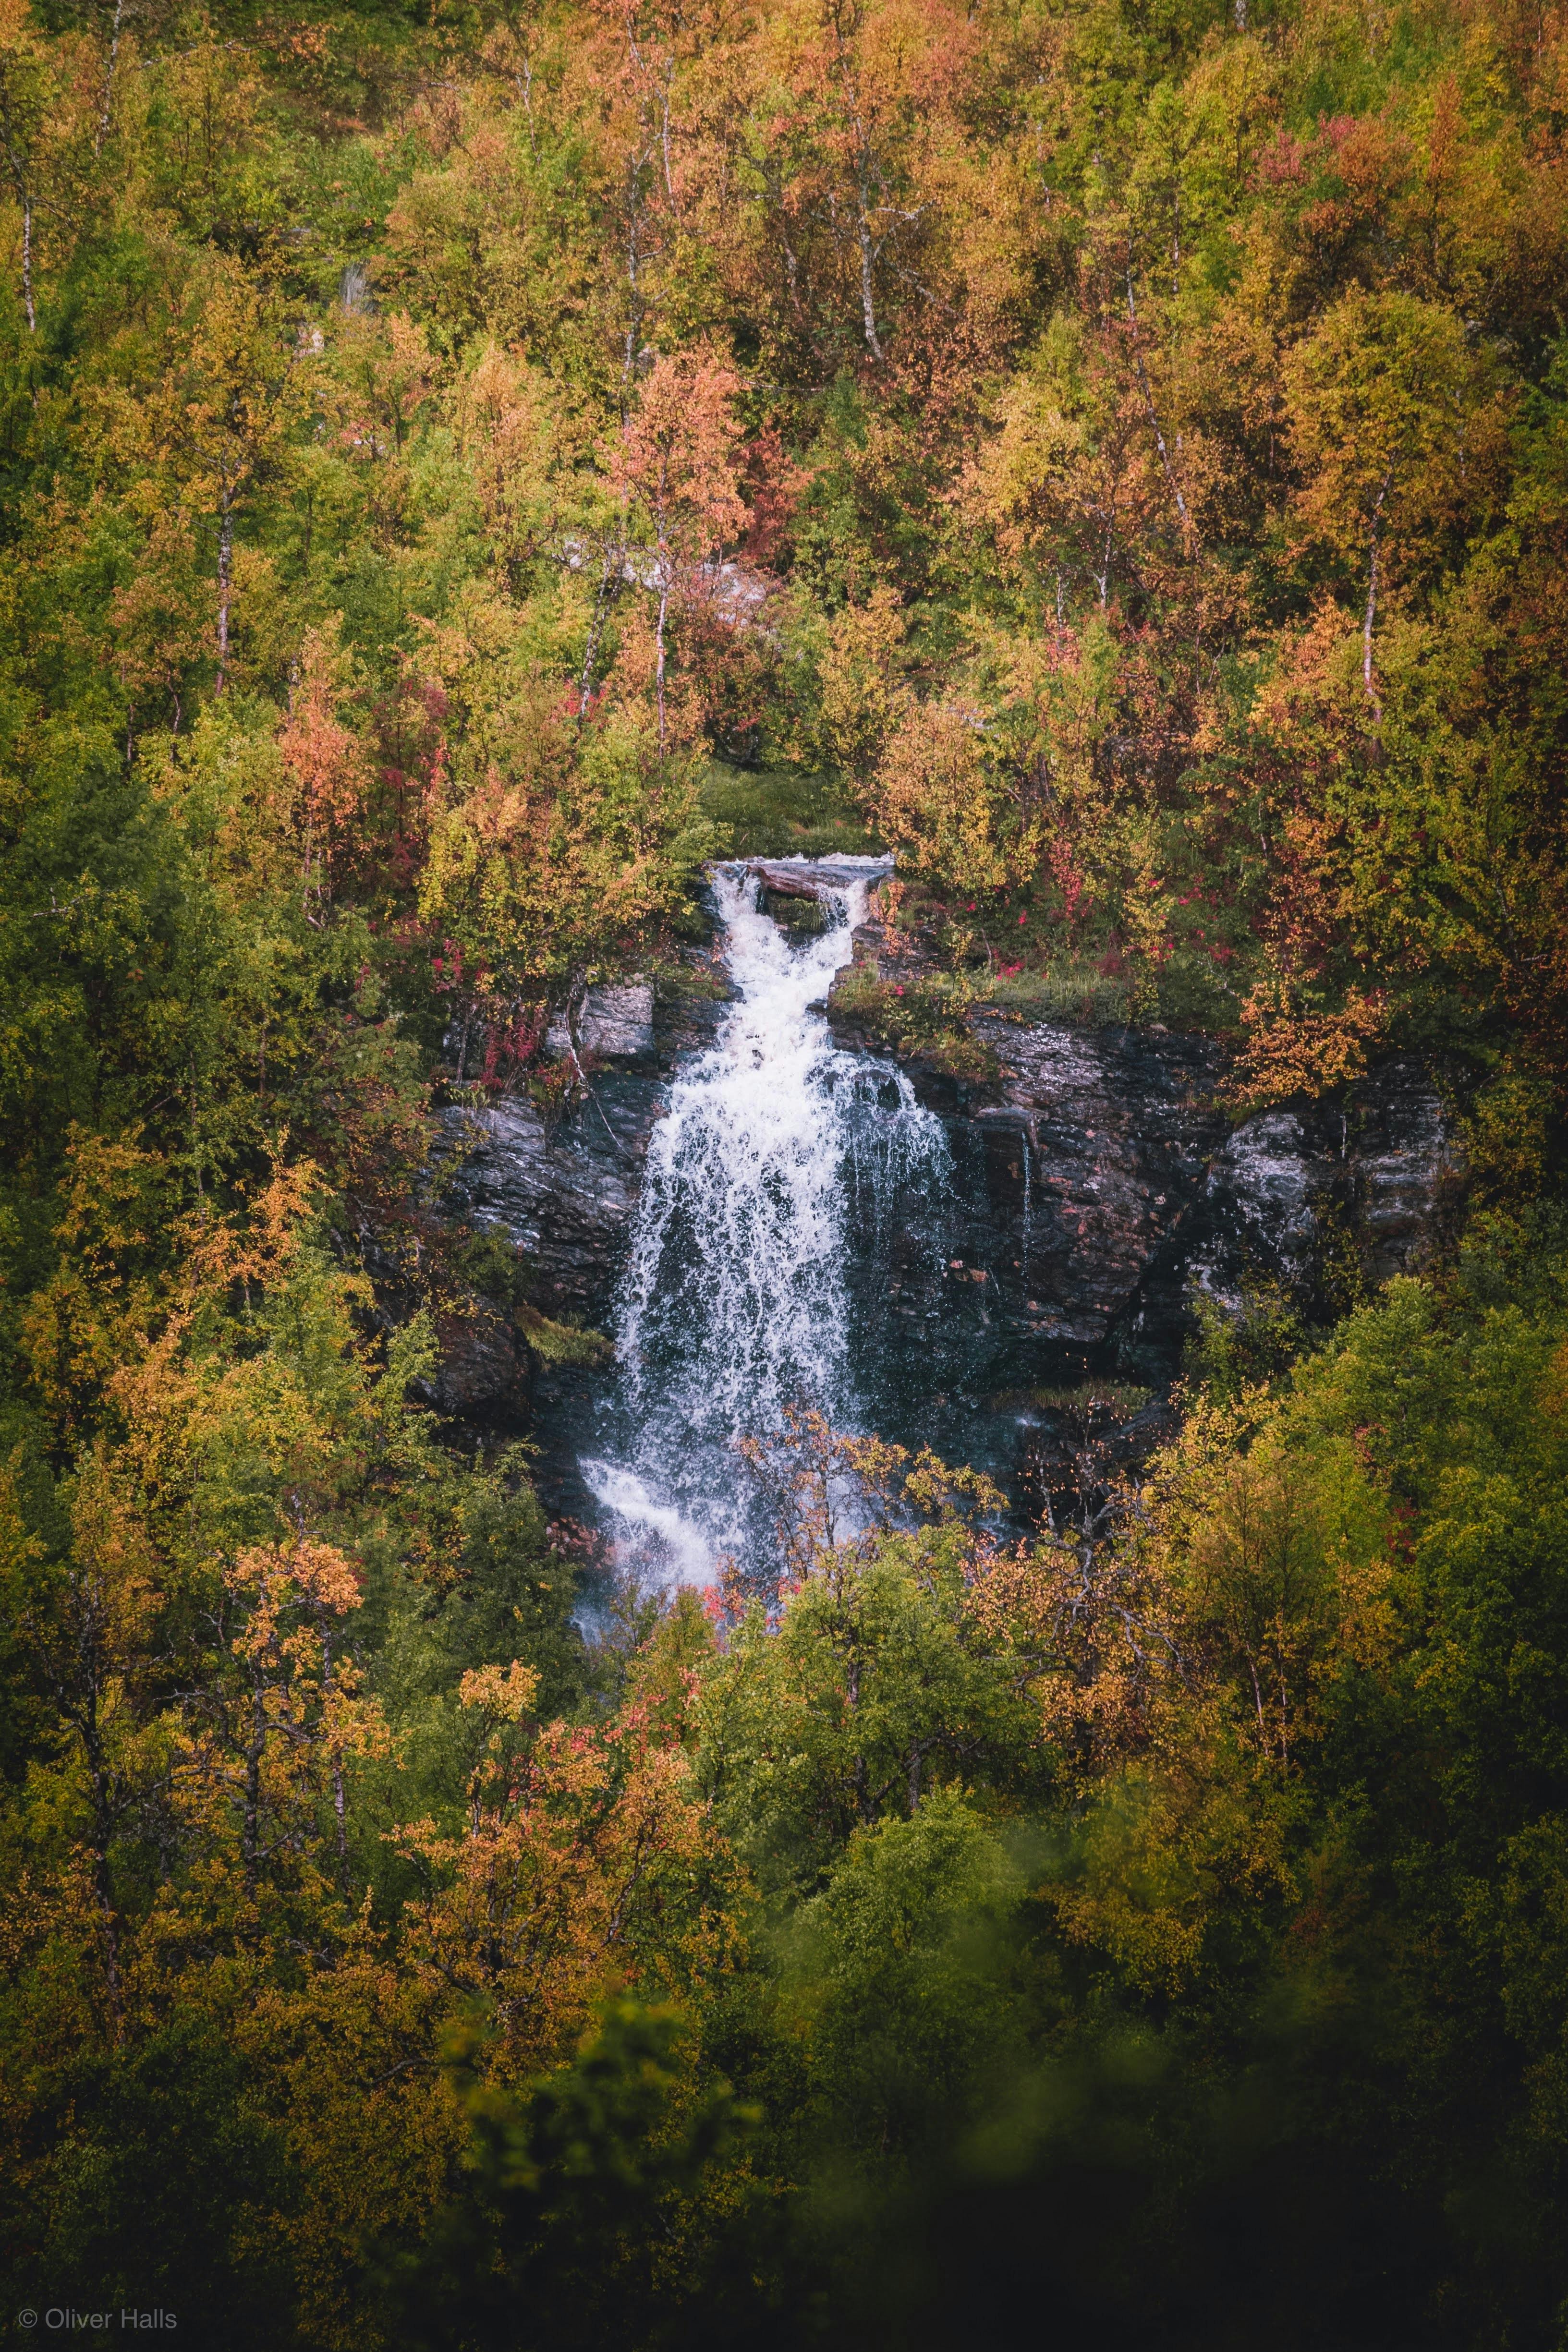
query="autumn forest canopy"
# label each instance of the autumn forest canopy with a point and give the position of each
(464, 465)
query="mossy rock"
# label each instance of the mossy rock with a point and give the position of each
(808, 918)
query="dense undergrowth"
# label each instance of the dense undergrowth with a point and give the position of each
(461, 469)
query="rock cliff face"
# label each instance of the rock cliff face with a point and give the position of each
(1097, 1186)
(1099, 1183)
(1098, 1191)
(565, 1190)
(1296, 1195)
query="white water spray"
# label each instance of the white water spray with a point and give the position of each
(734, 1303)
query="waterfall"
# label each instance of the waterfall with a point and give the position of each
(776, 1149)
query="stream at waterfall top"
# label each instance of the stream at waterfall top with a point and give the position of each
(780, 1159)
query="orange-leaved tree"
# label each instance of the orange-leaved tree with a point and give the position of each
(260, 1769)
(674, 469)
(588, 1862)
(326, 758)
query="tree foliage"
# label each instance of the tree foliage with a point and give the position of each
(453, 463)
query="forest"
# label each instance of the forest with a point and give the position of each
(464, 464)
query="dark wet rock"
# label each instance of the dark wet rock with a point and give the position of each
(483, 1370)
(1264, 1196)
(1095, 1153)
(563, 1192)
(565, 1189)
(1407, 1170)
(562, 1189)
(783, 881)
(805, 917)
(1375, 1173)
(1059, 1248)
(1099, 1181)
(823, 877)
(1096, 1187)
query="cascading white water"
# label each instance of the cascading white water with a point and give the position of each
(734, 1303)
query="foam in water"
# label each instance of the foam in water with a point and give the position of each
(734, 1303)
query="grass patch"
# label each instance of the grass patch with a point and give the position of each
(924, 1017)
(1118, 1399)
(1191, 994)
(808, 918)
(562, 1343)
(783, 812)
(683, 984)
(1194, 995)
(1072, 990)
